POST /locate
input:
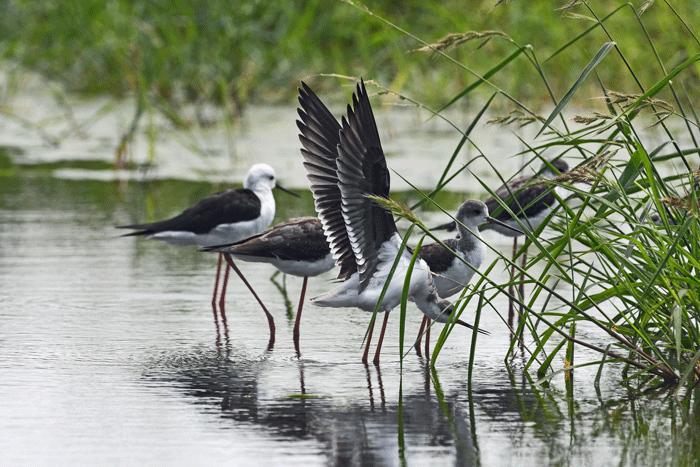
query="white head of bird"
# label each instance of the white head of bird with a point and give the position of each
(260, 177)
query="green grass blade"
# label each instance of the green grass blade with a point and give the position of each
(404, 295)
(472, 352)
(567, 97)
(483, 79)
(583, 34)
(691, 368)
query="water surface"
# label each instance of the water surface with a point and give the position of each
(111, 353)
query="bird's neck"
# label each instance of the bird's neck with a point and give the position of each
(267, 204)
(468, 240)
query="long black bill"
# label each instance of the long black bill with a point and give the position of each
(459, 321)
(503, 224)
(280, 187)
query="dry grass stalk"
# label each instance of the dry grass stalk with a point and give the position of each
(597, 117)
(398, 209)
(626, 100)
(590, 172)
(570, 5)
(661, 109)
(689, 201)
(454, 40)
(578, 16)
(645, 6)
(686, 203)
(515, 116)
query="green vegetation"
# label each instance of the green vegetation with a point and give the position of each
(229, 53)
(619, 278)
(177, 57)
(628, 240)
(629, 250)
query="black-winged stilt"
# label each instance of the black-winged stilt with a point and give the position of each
(452, 270)
(224, 217)
(532, 200)
(345, 165)
(297, 247)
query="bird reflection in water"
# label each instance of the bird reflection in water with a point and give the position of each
(223, 348)
(381, 388)
(282, 289)
(349, 432)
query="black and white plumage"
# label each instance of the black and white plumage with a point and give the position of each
(454, 268)
(297, 247)
(224, 217)
(450, 273)
(345, 164)
(532, 201)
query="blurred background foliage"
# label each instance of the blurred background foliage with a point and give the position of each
(232, 53)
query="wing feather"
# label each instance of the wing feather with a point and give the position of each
(362, 171)
(320, 136)
(226, 207)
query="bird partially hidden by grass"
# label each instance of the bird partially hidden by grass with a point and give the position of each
(348, 173)
(454, 261)
(531, 200)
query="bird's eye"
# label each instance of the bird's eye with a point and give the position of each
(270, 177)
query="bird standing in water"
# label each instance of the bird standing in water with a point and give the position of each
(452, 270)
(297, 247)
(224, 217)
(345, 166)
(532, 201)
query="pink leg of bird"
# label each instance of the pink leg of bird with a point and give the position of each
(297, 322)
(221, 309)
(381, 339)
(369, 340)
(270, 320)
(222, 295)
(427, 341)
(420, 334)
(216, 283)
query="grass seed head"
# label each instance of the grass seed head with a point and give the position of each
(398, 209)
(454, 40)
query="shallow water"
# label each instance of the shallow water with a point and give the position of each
(111, 352)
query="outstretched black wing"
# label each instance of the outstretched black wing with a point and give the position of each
(362, 171)
(320, 136)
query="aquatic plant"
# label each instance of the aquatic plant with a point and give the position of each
(622, 268)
